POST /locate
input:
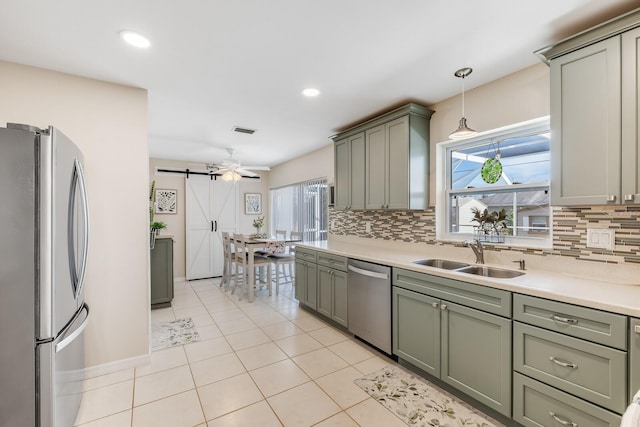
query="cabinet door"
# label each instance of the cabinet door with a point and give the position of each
(339, 298)
(630, 117)
(300, 280)
(634, 358)
(476, 355)
(325, 283)
(311, 288)
(162, 273)
(416, 329)
(342, 174)
(357, 171)
(376, 167)
(397, 172)
(585, 125)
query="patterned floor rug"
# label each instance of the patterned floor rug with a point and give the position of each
(176, 332)
(417, 403)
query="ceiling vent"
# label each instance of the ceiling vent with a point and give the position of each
(244, 130)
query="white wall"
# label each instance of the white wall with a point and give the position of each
(176, 223)
(109, 124)
(517, 97)
(317, 164)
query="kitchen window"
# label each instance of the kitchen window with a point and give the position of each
(300, 207)
(502, 177)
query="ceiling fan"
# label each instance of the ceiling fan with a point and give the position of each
(231, 170)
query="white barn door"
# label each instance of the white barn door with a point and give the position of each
(211, 208)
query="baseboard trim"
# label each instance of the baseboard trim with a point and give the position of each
(117, 365)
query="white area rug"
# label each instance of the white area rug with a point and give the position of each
(417, 403)
(176, 332)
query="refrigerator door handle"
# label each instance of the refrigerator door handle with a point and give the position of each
(79, 182)
(73, 335)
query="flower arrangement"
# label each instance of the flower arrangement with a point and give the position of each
(258, 222)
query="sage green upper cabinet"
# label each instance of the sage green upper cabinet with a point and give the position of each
(630, 116)
(387, 166)
(349, 172)
(383, 163)
(595, 115)
(585, 124)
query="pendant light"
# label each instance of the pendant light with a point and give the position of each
(463, 130)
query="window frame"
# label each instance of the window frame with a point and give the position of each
(444, 191)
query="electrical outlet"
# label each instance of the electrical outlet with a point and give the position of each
(367, 227)
(601, 238)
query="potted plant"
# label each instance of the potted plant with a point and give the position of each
(156, 226)
(490, 225)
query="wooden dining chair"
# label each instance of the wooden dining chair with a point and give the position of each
(242, 263)
(228, 268)
(281, 234)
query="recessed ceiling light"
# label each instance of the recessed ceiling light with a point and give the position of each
(135, 39)
(310, 91)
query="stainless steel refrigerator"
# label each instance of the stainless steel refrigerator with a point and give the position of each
(43, 258)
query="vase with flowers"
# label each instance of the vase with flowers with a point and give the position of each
(258, 223)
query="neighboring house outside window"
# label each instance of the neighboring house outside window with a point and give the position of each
(516, 184)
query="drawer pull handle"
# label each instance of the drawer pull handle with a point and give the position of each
(561, 421)
(561, 363)
(566, 320)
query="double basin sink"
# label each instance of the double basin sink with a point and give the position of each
(478, 270)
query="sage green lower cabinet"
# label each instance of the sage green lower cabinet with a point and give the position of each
(339, 298)
(306, 283)
(587, 370)
(634, 358)
(416, 329)
(468, 348)
(321, 283)
(476, 354)
(162, 273)
(538, 405)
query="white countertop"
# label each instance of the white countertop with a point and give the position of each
(609, 287)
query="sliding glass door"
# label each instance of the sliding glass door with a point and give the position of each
(300, 207)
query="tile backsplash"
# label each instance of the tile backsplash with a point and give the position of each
(569, 230)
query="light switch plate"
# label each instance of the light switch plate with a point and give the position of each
(601, 238)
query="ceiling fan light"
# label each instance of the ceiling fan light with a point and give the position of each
(228, 176)
(463, 131)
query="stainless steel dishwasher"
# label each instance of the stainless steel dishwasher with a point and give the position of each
(369, 303)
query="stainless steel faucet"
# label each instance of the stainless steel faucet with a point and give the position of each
(477, 248)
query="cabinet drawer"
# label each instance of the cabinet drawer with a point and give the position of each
(587, 370)
(332, 261)
(538, 405)
(306, 254)
(594, 325)
(483, 298)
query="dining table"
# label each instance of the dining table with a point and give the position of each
(267, 245)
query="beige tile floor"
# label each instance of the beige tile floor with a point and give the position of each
(266, 363)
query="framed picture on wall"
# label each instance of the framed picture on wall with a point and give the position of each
(166, 201)
(252, 203)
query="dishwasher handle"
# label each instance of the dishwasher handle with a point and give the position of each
(368, 273)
